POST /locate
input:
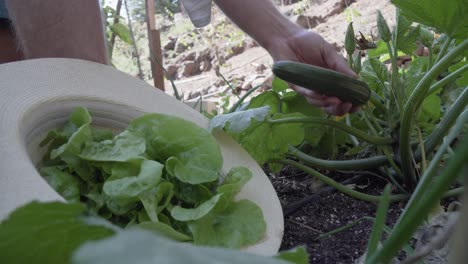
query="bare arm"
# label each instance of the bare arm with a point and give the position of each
(260, 19)
(285, 40)
(58, 28)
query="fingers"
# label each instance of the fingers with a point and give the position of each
(330, 104)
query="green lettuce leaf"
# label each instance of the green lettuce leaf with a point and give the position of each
(65, 184)
(235, 225)
(47, 233)
(191, 153)
(123, 147)
(129, 188)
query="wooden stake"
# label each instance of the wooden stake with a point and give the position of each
(154, 38)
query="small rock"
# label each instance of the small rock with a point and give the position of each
(190, 68)
(260, 68)
(170, 44)
(219, 83)
(308, 21)
(189, 56)
(194, 94)
(172, 71)
(204, 66)
(258, 82)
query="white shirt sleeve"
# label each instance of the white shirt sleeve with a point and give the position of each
(199, 11)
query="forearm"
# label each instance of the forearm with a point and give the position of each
(58, 28)
(268, 25)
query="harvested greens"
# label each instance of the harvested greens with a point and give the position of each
(162, 173)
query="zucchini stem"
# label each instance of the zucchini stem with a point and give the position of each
(338, 125)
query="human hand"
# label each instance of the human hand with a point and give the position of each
(309, 47)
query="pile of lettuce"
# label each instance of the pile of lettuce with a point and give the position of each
(162, 173)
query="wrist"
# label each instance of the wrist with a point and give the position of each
(279, 34)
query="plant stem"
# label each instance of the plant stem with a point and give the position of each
(331, 123)
(338, 186)
(135, 47)
(426, 180)
(228, 83)
(358, 164)
(353, 138)
(443, 49)
(242, 99)
(379, 222)
(431, 54)
(452, 76)
(423, 152)
(423, 199)
(412, 105)
(396, 88)
(434, 139)
(174, 87)
(377, 102)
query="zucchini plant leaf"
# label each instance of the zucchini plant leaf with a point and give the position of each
(268, 98)
(48, 232)
(446, 16)
(279, 85)
(405, 34)
(380, 50)
(239, 121)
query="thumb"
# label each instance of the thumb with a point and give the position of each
(337, 62)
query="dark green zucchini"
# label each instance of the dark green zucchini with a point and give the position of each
(323, 81)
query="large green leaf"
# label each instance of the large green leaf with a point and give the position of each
(191, 152)
(447, 16)
(47, 233)
(237, 224)
(137, 246)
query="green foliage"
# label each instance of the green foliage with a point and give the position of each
(57, 232)
(447, 16)
(162, 173)
(410, 103)
(47, 233)
(139, 248)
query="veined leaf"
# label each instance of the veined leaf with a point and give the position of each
(279, 85)
(447, 16)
